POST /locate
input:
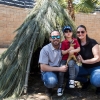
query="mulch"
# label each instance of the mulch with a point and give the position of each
(36, 91)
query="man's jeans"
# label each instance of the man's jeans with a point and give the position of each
(50, 79)
(94, 74)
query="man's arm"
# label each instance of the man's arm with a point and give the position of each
(45, 67)
(44, 62)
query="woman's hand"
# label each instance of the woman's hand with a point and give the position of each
(80, 59)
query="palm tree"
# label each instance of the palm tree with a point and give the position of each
(68, 5)
(71, 9)
(85, 6)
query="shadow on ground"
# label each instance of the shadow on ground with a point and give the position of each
(36, 91)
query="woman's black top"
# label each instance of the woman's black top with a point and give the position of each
(86, 53)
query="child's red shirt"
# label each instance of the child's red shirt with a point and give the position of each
(66, 44)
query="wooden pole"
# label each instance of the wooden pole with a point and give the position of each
(29, 61)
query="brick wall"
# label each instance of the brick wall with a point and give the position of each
(12, 17)
(92, 23)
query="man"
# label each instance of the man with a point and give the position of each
(50, 57)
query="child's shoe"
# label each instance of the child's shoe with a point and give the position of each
(71, 84)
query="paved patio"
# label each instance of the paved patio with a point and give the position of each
(2, 50)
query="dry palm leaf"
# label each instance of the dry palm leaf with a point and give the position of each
(46, 16)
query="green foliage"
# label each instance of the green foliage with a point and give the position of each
(63, 3)
(45, 17)
(86, 6)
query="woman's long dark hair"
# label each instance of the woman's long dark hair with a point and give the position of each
(87, 37)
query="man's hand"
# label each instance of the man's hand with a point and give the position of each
(63, 68)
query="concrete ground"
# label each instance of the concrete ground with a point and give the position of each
(2, 50)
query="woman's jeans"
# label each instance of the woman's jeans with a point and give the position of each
(93, 73)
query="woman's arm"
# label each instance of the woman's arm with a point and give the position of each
(96, 58)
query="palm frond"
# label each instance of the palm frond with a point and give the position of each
(86, 6)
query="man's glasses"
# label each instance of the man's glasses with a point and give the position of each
(78, 32)
(66, 31)
(55, 37)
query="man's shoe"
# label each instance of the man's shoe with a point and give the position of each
(49, 91)
(98, 91)
(60, 91)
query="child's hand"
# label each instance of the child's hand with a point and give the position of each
(71, 48)
(71, 52)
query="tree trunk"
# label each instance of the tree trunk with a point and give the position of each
(71, 9)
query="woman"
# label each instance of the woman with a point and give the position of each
(90, 58)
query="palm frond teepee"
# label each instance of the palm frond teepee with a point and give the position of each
(46, 16)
